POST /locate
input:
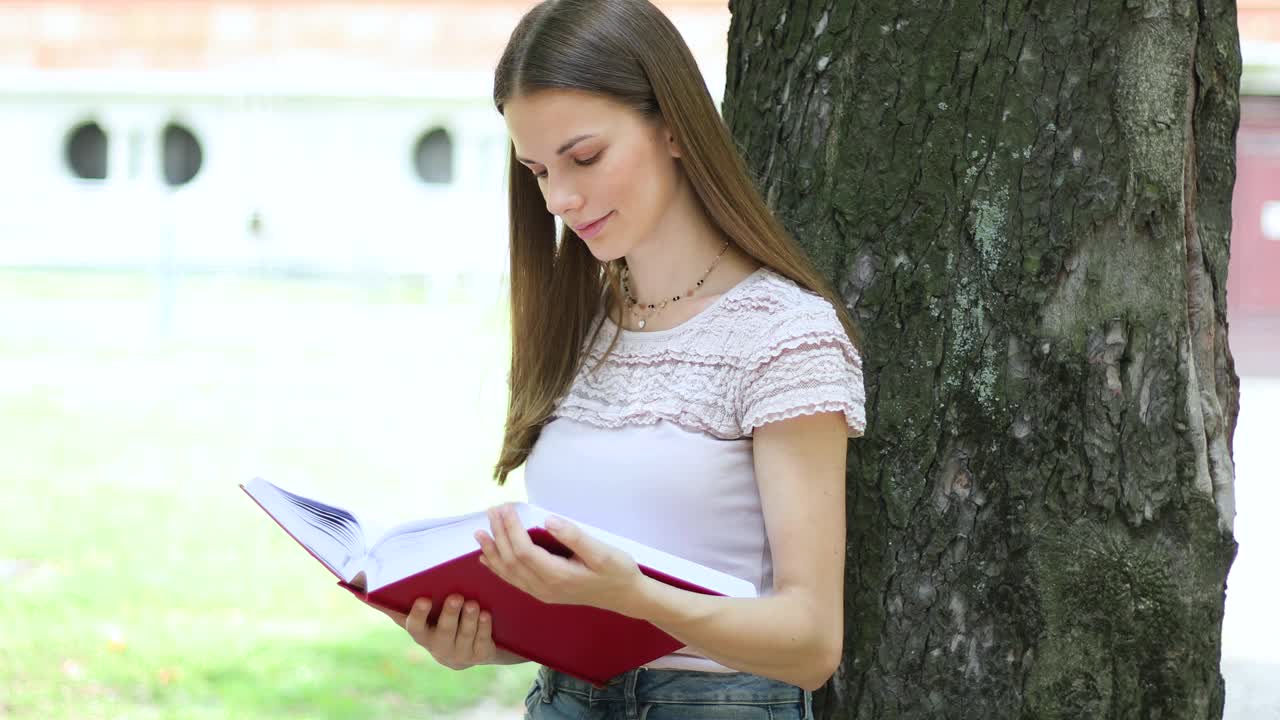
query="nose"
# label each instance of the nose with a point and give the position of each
(562, 198)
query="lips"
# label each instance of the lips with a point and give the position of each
(592, 229)
(591, 225)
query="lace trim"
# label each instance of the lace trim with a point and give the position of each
(805, 370)
(855, 426)
(767, 351)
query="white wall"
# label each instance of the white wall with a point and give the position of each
(318, 145)
(330, 175)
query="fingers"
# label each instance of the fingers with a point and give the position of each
(514, 555)
(498, 555)
(446, 630)
(539, 566)
(483, 646)
(502, 544)
(416, 621)
(585, 547)
(460, 637)
(464, 643)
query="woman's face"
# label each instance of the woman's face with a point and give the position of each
(595, 160)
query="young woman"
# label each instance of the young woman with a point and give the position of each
(680, 374)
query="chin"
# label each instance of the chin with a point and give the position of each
(603, 254)
(607, 258)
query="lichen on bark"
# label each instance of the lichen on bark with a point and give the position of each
(1027, 208)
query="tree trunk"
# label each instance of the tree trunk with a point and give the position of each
(1027, 207)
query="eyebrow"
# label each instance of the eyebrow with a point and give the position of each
(562, 149)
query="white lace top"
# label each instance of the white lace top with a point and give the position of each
(656, 444)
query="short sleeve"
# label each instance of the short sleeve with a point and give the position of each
(804, 365)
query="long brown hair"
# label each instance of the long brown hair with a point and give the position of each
(628, 51)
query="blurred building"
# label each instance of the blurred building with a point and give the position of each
(359, 136)
(307, 135)
(1253, 279)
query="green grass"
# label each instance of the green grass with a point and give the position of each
(136, 579)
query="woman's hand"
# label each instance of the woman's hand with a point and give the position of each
(461, 637)
(598, 574)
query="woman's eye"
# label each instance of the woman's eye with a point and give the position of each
(583, 163)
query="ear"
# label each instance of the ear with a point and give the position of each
(669, 139)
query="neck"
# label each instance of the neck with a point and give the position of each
(677, 255)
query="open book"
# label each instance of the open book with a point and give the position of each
(436, 557)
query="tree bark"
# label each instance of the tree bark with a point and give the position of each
(1027, 208)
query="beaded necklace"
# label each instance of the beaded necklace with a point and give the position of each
(644, 312)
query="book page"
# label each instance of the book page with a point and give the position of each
(421, 544)
(332, 534)
(423, 524)
(425, 544)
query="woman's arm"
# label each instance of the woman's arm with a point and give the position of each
(793, 634)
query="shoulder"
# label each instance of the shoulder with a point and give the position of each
(798, 359)
(774, 310)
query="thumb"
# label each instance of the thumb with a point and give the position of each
(584, 547)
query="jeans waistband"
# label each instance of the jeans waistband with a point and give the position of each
(645, 685)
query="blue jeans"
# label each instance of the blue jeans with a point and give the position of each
(666, 695)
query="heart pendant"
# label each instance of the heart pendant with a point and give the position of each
(642, 322)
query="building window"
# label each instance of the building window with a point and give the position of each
(181, 155)
(433, 157)
(1271, 220)
(87, 151)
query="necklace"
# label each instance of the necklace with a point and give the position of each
(644, 312)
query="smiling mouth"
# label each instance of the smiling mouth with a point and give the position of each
(593, 223)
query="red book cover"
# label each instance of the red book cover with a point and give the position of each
(585, 642)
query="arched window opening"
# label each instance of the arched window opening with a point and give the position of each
(181, 155)
(433, 157)
(86, 151)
